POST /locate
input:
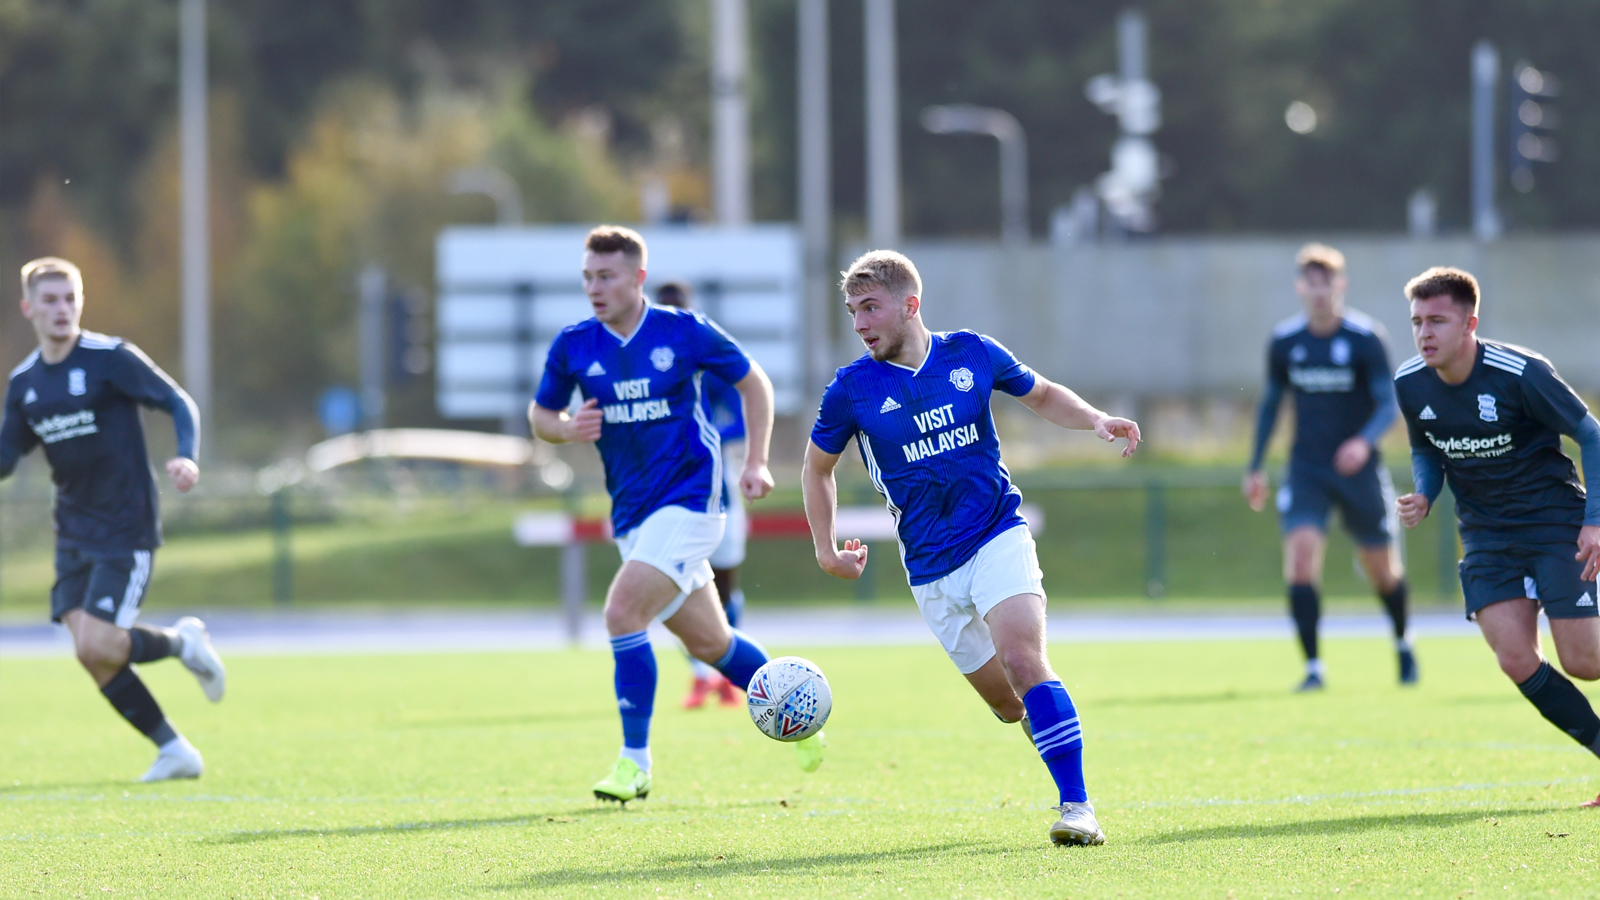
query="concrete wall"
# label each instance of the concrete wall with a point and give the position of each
(1179, 316)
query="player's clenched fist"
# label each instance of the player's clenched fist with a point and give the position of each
(1255, 490)
(1589, 551)
(756, 482)
(185, 473)
(846, 563)
(584, 425)
(1412, 508)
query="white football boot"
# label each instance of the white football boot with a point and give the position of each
(201, 658)
(178, 759)
(1077, 825)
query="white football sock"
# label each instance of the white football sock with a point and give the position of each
(639, 755)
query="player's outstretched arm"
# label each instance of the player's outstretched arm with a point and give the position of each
(1060, 406)
(755, 391)
(821, 495)
(556, 427)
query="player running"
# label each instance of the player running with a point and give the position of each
(1334, 361)
(1489, 417)
(79, 395)
(918, 406)
(640, 369)
(726, 413)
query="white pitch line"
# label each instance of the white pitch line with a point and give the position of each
(316, 633)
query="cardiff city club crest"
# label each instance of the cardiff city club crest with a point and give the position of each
(962, 379)
(662, 357)
(1486, 410)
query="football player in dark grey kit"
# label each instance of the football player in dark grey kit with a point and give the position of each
(1333, 361)
(79, 395)
(1489, 417)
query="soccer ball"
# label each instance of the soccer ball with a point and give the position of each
(789, 699)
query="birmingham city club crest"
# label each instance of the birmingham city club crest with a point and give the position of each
(1486, 409)
(962, 379)
(1339, 352)
(662, 357)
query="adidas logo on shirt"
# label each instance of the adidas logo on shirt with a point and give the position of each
(1585, 600)
(888, 405)
(1427, 413)
(30, 396)
(595, 369)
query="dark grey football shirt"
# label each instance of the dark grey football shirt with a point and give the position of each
(1341, 386)
(1497, 436)
(85, 411)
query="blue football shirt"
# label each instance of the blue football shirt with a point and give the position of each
(928, 440)
(657, 444)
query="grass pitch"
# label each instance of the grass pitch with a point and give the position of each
(457, 775)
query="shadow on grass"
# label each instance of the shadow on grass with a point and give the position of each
(1353, 825)
(1228, 696)
(554, 820)
(691, 867)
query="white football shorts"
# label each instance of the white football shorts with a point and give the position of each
(730, 553)
(954, 606)
(677, 542)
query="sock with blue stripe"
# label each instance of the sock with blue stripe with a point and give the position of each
(743, 658)
(1058, 737)
(635, 681)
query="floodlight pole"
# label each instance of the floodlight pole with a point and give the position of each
(371, 288)
(815, 188)
(883, 125)
(195, 262)
(730, 137)
(962, 118)
(1485, 78)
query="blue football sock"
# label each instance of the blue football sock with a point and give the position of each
(1059, 738)
(743, 658)
(734, 607)
(635, 681)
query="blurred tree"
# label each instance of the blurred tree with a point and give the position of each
(368, 184)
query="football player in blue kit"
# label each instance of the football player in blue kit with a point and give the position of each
(917, 404)
(79, 395)
(1334, 362)
(1488, 418)
(640, 369)
(726, 413)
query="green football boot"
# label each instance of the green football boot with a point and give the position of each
(810, 752)
(626, 782)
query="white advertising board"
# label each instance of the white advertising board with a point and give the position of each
(505, 292)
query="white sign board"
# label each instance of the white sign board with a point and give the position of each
(505, 292)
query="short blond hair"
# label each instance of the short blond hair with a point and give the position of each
(50, 267)
(886, 269)
(1319, 256)
(618, 239)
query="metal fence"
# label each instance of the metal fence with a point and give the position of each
(402, 535)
